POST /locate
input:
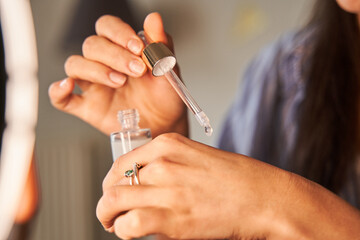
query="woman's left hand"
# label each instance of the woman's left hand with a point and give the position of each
(189, 190)
(192, 191)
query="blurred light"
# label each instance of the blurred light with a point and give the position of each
(21, 106)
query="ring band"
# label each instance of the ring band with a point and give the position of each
(133, 173)
(136, 168)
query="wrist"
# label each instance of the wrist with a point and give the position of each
(281, 215)
(266, 208)
(309, 211)
(180, 126)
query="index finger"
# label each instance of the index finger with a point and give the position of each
(119, 32)
(171, 147)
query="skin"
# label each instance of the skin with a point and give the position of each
(352, 6)
(108, 54)
(188, 190)
(30, 197)
(192, 191)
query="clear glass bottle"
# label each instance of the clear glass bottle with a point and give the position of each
(130, 136)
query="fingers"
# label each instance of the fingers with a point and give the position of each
(162, 172)
(62, 98)
(153, 173)
(154, 28)
(119, 32)
(142, 222)
(122, 34)
(110, 56)
(114, 54)
(78, 67)
(164, 149)
(115, 176)
(119, 199)
(102, 50)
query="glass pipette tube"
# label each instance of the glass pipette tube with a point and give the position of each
(184, 94)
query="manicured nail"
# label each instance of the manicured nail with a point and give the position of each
(63, 83)
(137, 66)
(117, 78)
(134, 45)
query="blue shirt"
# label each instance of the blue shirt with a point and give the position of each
(262, 121)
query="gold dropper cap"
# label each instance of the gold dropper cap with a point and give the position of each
(158, 58)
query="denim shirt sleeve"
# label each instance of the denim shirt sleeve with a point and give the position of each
(261, 122)
(240, 124)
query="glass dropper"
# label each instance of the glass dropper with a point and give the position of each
(162, 61)
(184, 94)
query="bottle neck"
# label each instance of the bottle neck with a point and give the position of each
(128, 124)
(129, 119)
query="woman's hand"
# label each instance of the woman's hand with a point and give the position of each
(113, 77)
(192, 191)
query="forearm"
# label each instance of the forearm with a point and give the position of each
(312, 212)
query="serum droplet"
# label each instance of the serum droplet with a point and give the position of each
(208, 130)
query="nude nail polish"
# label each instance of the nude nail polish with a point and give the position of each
(117, 78)
(137, 66)
(134, 46)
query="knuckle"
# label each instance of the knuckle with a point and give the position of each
(104, 184)
(110, 197)
(136, 222)
(99, 211)
(161, 166)
(134, 226)
(120, 230)
(120, 234)
(123, 230)
(89, 44)
(169, 138)
(169, 143)
(100, 73)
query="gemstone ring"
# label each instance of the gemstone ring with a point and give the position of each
(129, 174)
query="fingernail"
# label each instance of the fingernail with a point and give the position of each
(110, 229)
(63, 83)
(117, 78)
(134, 45)
(137, 66)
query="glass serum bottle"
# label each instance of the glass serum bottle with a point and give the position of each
(130, 136)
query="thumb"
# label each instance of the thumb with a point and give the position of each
(62, 98)
(154, 28)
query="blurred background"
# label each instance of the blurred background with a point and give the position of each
(214, 42)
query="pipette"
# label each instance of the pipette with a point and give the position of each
(161, 61)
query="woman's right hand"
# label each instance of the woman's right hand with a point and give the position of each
(113, 77)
